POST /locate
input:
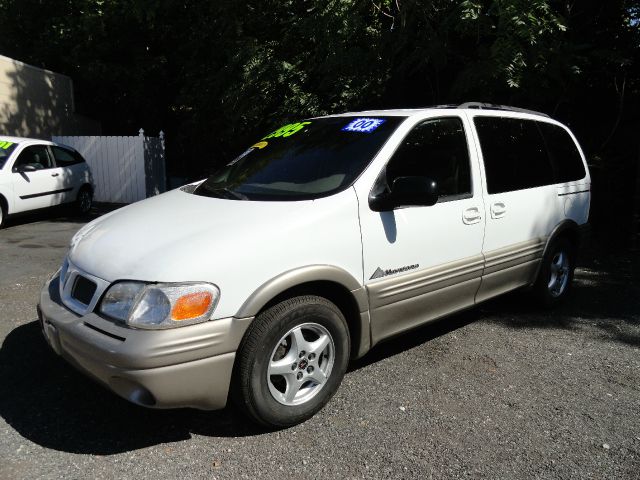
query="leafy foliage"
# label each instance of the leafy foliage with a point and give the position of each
(215, 75)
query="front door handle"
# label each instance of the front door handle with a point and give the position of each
(498, 210)
(55, 174)
(471, 216)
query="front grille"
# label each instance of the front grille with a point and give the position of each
(79, 290)
(83, 290)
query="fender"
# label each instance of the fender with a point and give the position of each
(566, 226)
(313, 273)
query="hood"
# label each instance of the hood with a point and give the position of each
(178, 236)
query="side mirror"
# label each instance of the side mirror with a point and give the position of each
(405, 192)
(25, 168)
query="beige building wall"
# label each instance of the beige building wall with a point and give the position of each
(38, 103)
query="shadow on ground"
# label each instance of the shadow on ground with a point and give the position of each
(415, 337)
(51, 404)
(604, 302)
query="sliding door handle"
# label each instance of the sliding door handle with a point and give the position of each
(471, 215)
(498, 210)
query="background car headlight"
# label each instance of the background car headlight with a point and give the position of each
(161, 305)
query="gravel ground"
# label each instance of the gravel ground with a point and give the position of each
(500, 391)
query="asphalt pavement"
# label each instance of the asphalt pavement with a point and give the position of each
(504, 390)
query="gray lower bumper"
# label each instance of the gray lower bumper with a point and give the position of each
(183, 367)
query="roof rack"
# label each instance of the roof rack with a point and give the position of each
(493, 106)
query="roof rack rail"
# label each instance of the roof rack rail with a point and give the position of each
(493, 106)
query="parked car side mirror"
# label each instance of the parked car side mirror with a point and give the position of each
(405, 192)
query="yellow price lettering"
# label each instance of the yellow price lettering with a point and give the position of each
(287, 130)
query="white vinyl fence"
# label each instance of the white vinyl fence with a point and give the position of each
(125, 169)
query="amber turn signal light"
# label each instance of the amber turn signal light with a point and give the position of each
(191, 306)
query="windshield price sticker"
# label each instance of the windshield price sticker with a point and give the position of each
(364, 125)
(5, 145)
(259, 146)
(287, 130)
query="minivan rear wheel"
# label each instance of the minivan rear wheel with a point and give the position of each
(291, 361)
(556, 273)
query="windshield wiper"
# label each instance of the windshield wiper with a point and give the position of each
(215, 192)
(236, 195)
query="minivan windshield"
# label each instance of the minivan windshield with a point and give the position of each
(302, 160)
(6, 149)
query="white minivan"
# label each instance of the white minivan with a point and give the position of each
(323, 238)
(37, 174)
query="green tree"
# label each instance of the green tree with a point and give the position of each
(215, 75)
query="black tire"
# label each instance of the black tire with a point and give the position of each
(548, 292)
(266, 339)
(3, 213)
(84, 201)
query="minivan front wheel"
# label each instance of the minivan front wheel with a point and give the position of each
(556, 273)
(291, 361)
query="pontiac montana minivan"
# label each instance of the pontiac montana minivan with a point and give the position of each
(323, 238)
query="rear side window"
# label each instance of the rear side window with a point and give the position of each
(565, 157)
(35, 156)
(65, 157)
(436, 149)
(514, 152)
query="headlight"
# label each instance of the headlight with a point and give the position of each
(160, 305)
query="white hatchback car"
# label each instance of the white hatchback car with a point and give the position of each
(320, 240)
(37, 174)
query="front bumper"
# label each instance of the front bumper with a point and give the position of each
(182, 367)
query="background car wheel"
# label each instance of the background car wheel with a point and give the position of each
(3, 214)
(84, 201)
(291, 361)
(556, 273)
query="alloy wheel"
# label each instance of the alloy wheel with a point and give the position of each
(559, 277)
(300, 364)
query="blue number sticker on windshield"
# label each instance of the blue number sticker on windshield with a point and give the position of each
(364, 125)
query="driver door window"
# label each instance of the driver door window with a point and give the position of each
(36, 156)
(436, 149)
